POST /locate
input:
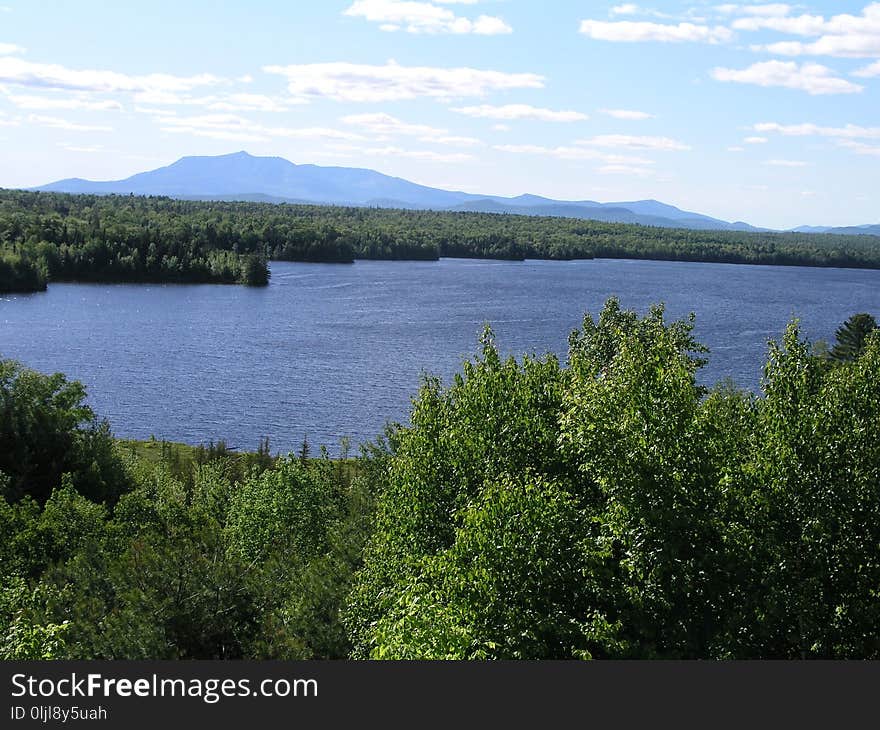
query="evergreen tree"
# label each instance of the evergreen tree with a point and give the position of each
(851, 337)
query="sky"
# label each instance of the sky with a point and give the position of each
(768, 113)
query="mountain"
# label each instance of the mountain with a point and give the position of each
(871, 229)
(811, 229)
(608, 212)
(240, 176)
(867, 230)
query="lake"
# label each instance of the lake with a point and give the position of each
(337, 350)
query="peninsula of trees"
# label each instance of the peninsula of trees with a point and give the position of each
(48, 237)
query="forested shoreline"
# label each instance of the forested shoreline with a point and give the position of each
(48, 237)
(607, 506)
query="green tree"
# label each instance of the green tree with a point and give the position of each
(46, 430)
(851, 337)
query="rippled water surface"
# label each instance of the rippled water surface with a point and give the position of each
(334, 350)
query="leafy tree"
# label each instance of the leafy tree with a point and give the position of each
(21, 638)
(616, 508)
(513, 584)
(20, 274)
(498, 417)
(46, 430)
(287, 509)
(255, 271)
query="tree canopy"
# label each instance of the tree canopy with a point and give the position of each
(615, 508)
(57, 237)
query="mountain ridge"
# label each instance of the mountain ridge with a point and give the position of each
(242, 176)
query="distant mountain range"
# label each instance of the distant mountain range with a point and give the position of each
(866, 230)
(240, 176)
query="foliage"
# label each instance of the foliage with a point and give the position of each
(46, 430)
(212, 565)
(18, 273)
(851, 337)
(615, 508)
(20, 639)
(59, 237)
(121, 239)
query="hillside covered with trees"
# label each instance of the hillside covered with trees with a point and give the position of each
(604, 507)
(58, 237)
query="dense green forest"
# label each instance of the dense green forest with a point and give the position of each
(57, 237)
(604, 507)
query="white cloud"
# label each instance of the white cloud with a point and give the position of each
(392, 82)
(845, 35)
(520, 111)
(769, 10)
(626, 141)
(217, 126)
(7, 49)
(453, 141)
(54, 76)
(868, 72)
(88, 150)
(849, 131)
(573, 153)
(501, 127)
(233, 127)
(626, 31)
(848, 136)
(230, 102)
(307, 132)
(424, 155)
(59, 123)
(626, 170)
(246, 102)
(860, 148)
(813, 78)
(786, 163)
(867, 22)
(755, 140)
(795, 25)
(42, 103)
(629, 9)
(385, 124)
(423, 17)
(7, 121)
(841, 46)
(153, 111)
(629, 114)
(562, 152)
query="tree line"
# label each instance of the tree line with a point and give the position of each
(57, 237)
(605, 506)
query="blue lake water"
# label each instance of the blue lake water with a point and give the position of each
(336, 350)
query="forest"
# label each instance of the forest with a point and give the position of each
(604, 506)
(48, 237)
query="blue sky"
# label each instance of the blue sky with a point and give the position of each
(768, 113)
